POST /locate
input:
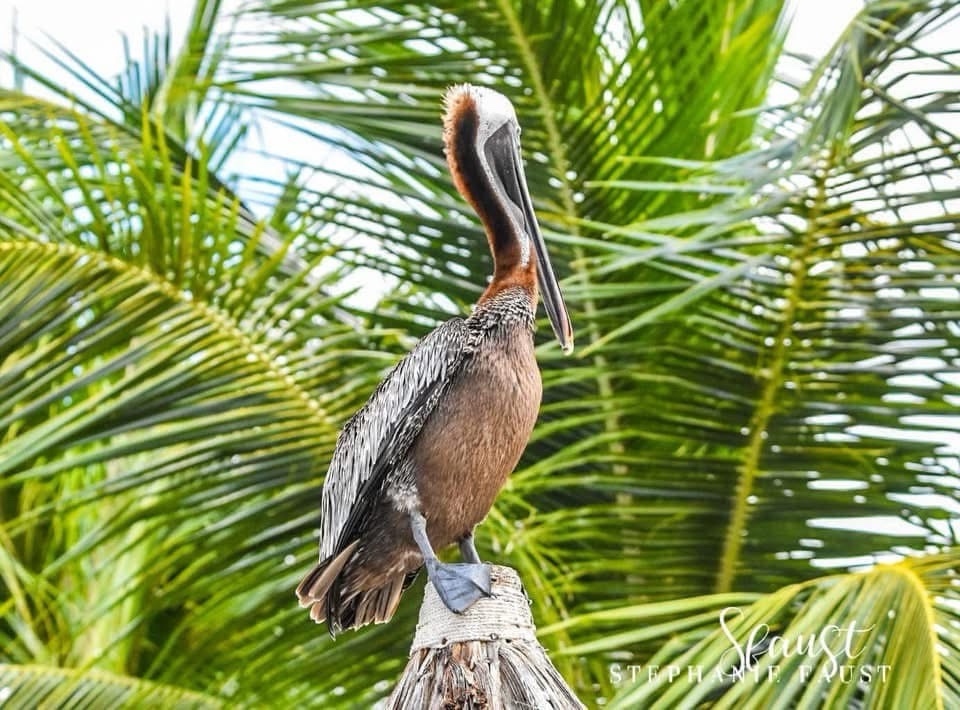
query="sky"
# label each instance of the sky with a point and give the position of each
(90, 29)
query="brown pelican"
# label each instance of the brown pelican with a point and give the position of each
(419, 466)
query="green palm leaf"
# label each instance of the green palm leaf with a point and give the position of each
(842, 640)
(41, 686)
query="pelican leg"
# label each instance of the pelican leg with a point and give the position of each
(468, 550)
(461, 585)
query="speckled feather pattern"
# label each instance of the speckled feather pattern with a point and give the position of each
(379, 434)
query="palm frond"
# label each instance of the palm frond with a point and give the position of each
(42, 686)
(162, 436)
(869, 639)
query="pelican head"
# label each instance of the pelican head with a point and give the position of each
(482, 139)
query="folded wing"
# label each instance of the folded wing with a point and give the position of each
(379, 435)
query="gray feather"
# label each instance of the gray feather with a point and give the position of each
(380, 433)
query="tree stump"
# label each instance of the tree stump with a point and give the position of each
(488, 657)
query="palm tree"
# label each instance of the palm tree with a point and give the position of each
(759, 418)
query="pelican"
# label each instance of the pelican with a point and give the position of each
(420, 464)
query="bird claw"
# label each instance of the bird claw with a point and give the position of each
(460, 585)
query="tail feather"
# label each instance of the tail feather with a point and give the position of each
(314, 586)
(346, 597)
(389, 602)
(318, 612)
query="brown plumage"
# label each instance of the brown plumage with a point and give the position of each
(419, 466)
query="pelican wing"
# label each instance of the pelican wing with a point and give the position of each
(377, 437)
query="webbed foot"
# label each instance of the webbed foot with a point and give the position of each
(460, 585)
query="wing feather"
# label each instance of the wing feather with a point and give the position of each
(374, 440)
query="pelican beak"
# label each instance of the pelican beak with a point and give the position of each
(503, 156)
